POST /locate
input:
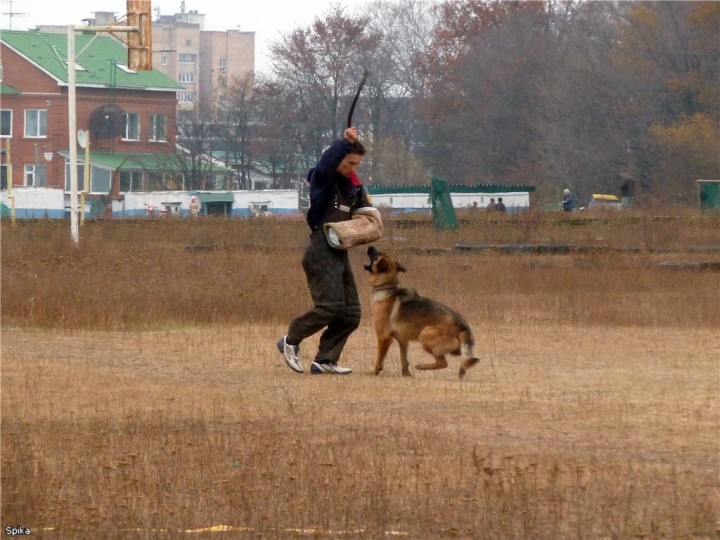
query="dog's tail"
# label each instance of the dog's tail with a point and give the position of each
(467, 364)
(466, 349)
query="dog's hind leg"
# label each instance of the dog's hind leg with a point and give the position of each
(383, 346)
(440, 363)
(404, 358)
(431, 340)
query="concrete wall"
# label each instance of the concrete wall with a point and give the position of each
(34, 203)
(245, 203)
(38, 203)
(411, 202)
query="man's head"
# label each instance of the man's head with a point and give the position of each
(352, 159)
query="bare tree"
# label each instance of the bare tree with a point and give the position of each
(196, 140)
(404, 31)
(321, 65)
(238, 118)
(671, 55)
(281, 132)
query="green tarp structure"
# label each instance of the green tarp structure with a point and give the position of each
(442, 206)
(709, 195)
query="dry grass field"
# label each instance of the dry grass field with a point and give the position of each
(143, 397)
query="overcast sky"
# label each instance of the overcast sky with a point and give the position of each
(269, 19)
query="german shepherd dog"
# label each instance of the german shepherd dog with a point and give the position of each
(404, 315)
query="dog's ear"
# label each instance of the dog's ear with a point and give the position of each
(400, 268)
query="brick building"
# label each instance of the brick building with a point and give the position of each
(130, 116)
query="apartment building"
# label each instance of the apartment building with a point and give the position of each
(201, 61)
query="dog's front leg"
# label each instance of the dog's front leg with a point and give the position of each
(383, 346)
(404, 359)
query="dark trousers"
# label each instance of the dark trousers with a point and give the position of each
(334, 293)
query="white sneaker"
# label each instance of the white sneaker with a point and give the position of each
(291, 354)
(316, 368)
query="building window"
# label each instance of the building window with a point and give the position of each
(164, 60)
(36, 123)
(157, 127)
(6, 123)
(187, 77)
(130, 181)
(185, 58)
(34, 175)
(3, 176)
(223, 62)
(132, 126)
(188, 42)
(187, 97)
(99, 180)
(80, 176)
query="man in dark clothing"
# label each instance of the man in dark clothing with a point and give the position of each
(500, 206)
(568, 202)
(335, 191)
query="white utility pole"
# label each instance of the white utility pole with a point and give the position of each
(72, 137)
(139, 57)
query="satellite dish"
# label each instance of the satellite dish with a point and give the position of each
(106, 122)
(82, 137)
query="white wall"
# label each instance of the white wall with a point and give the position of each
(421, 201)
(277, 201)
(36, 203)
(135, 204)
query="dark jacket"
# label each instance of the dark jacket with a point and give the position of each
(328, 187)
(568, 203)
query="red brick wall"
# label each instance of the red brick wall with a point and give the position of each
(40, 91)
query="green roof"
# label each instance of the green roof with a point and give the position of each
(454, 188)
(95, 60)
(122, 161)
(7, 89)
(223, 196)
(129, 162)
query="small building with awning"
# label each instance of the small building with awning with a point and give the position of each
(216, 203)
(112, 175)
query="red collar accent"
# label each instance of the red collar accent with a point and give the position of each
(354, 180)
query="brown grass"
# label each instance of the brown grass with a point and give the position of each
(143, 397)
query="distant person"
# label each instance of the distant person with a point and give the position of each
(194, 206)
(568, 202)
(500, 206)
(491, 204)
(627, 190)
